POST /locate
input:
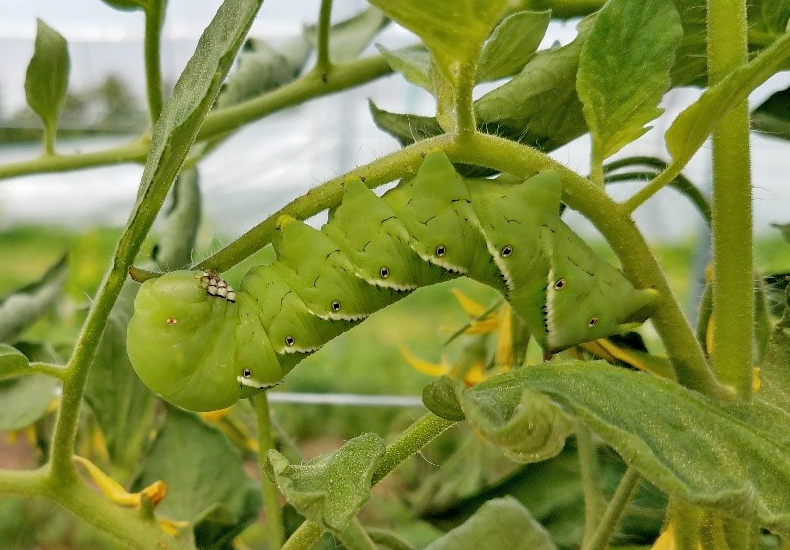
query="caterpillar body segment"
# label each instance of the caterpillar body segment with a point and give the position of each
(201, 350)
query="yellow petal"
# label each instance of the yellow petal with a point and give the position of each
(598, 350)
(107, 485)
(756, 380)
(172, 527)
(155, 492)
(622, 354)
(666, 541)
(483, 326)
(504, 343)
(472, 308)
(431, 369)
(215, 415)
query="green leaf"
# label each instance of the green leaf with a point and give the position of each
(453, 32)
(539, 106)
(690, 129)
(405, 128)
(499, 523)
(772, 116)
(331, 488)
(177, 238)
(729, 456)
(513, 43)
(126, 5)
(775, 369)
(349, 38)
(193, 95)
(47, 76)
(262, 68)
(12, 362)
(22, 307)
(525, 425)
(624, 70)
(27, 398)
(413, 63)
(774, 15)
(203, 471)
(439, 398)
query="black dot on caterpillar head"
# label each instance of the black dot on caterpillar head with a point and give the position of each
(560, 284)
(171, 321)
(441, 250)
(246, 373)
(593, 321)
(507, 250)
(384, 272)
(289, 340)
(335, 305)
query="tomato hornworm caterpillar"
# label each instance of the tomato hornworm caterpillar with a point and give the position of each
(202, 345)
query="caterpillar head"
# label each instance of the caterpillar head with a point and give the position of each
(581, 307)
(197, 343)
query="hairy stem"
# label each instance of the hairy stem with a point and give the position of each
(49, 369)
(354, 537)
(614, 511)
(590, 474)
(271, 497)
(154, 16)
(733, 273)
(135, 151)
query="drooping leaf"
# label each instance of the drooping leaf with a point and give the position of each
(203, 471)
(413, 63)
(499, 523)
(624, 70)
(47, 76)
(690, 129)
(331, 488)
(512, 43)
(774, 371)
(454, 32)
(22, 307)
(127, 4)
(729, 456)
(349, 38)
(12, 362)
(177, 238)
(539, 106)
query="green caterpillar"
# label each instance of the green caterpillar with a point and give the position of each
(202, 345)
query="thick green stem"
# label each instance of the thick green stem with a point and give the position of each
(154, 16)
(135, 151)
(323, 63)
(614, 511)
(733, 299)
(398, 164)
(414, 438)
(637, 260)
(343, 76)
(590, 474)
(55, 371)
(275, 531)
(354, 537)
